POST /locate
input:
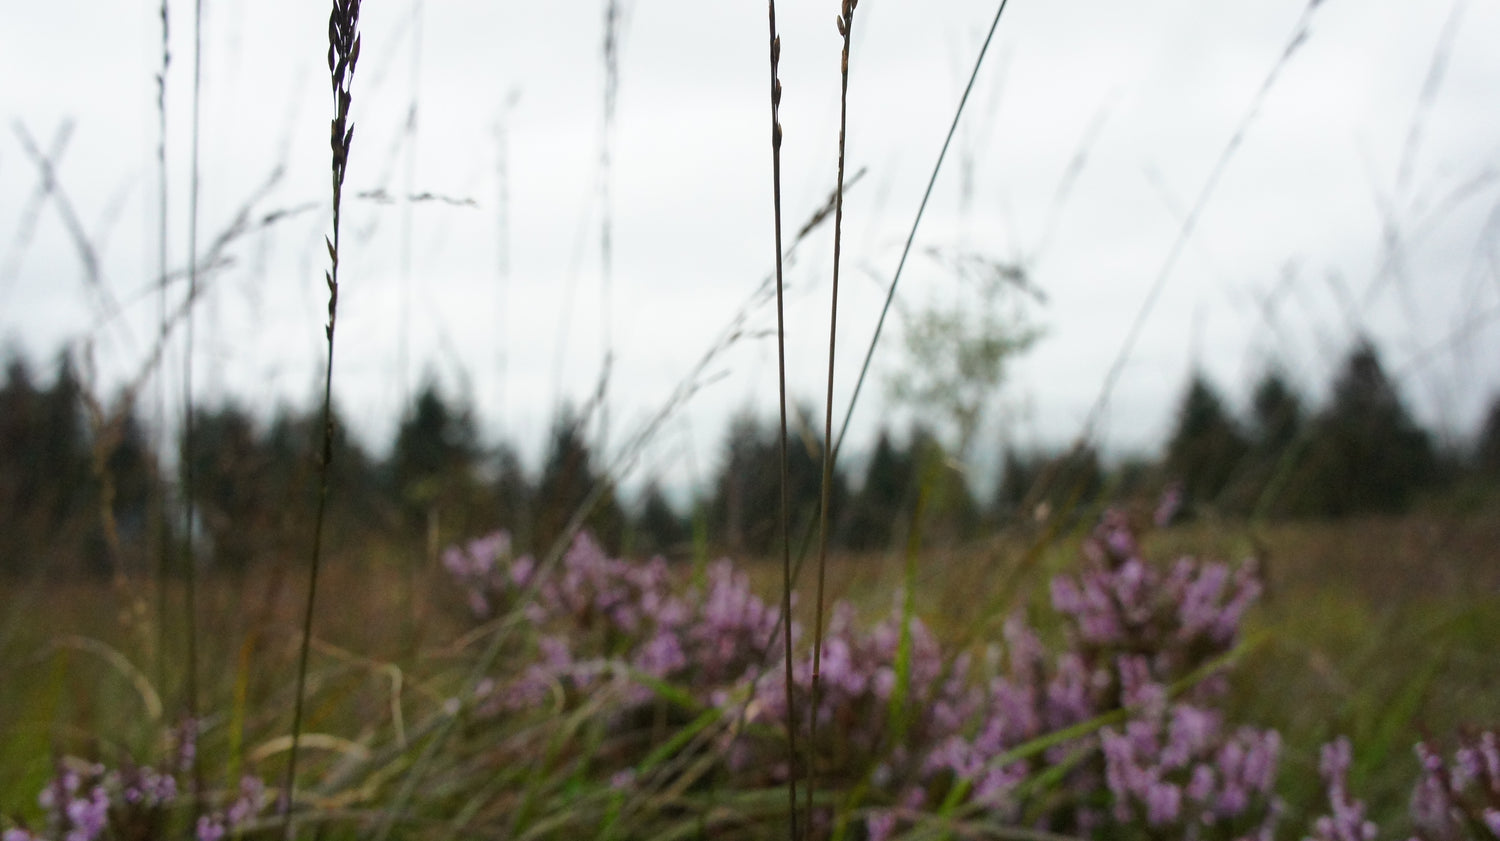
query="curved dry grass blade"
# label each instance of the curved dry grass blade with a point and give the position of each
(150, 700)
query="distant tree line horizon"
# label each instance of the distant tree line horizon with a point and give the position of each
(83, 491)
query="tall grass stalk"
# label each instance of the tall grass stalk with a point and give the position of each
(610, 51)
(846, 28)
(343, 55)
(190, 561)
(890, 295)
(159, 505)
(786, 537)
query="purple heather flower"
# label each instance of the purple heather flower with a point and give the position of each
(1347, 821)
(248, 805)
(1429, 802)
(880, 825)
(210, 828)
(1163, 803)
(1190, 732)
(1464, 793)
(187, 744)
(1261, 757)
(1201, 788)
(661, 656)
(88, 816)
(1137, 689)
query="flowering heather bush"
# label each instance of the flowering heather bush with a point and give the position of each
(598, 612)
(87, 801)
(1131, 632)
(912, 719)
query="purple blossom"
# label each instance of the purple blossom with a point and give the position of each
(1346, 821)
(87, 816)
(880, 825)
(210, 828)
(1451, 796)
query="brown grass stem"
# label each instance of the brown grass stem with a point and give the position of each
(786, 538)
(343, 55)
(846, 29)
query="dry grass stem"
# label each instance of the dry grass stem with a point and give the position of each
(786, 538)
(846, 29)
(343, 56)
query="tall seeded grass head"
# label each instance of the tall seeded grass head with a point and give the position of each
(343, 56)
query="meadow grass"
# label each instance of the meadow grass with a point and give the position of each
(1399, 656)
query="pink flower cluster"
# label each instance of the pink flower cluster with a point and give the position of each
(1132, 633)
(1453, 797)
(899, 710)
(598, 616)
(91, 802)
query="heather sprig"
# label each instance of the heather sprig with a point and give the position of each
(1346, 820)
(91, 801)
(1459, 798)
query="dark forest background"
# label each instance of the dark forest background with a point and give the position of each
(84, 489)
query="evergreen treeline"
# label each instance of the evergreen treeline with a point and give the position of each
(82, 490)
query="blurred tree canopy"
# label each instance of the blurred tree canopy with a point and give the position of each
(83, 490)
(569, 476)
(1206, 445)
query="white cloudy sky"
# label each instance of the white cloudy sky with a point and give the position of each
(1356, 201)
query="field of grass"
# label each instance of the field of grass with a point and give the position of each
(1380, 630)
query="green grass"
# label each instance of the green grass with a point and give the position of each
(1381, 630)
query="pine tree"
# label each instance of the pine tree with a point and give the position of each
(746, 506)
(881, 509)
(433, 463)
(1487, 454)
(1368, 453)
(659, 529)
(1206, 446)
(568, 479)
(1275, 454)
(1054, 484)
(513, 497)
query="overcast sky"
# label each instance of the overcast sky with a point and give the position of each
(1362, 198)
